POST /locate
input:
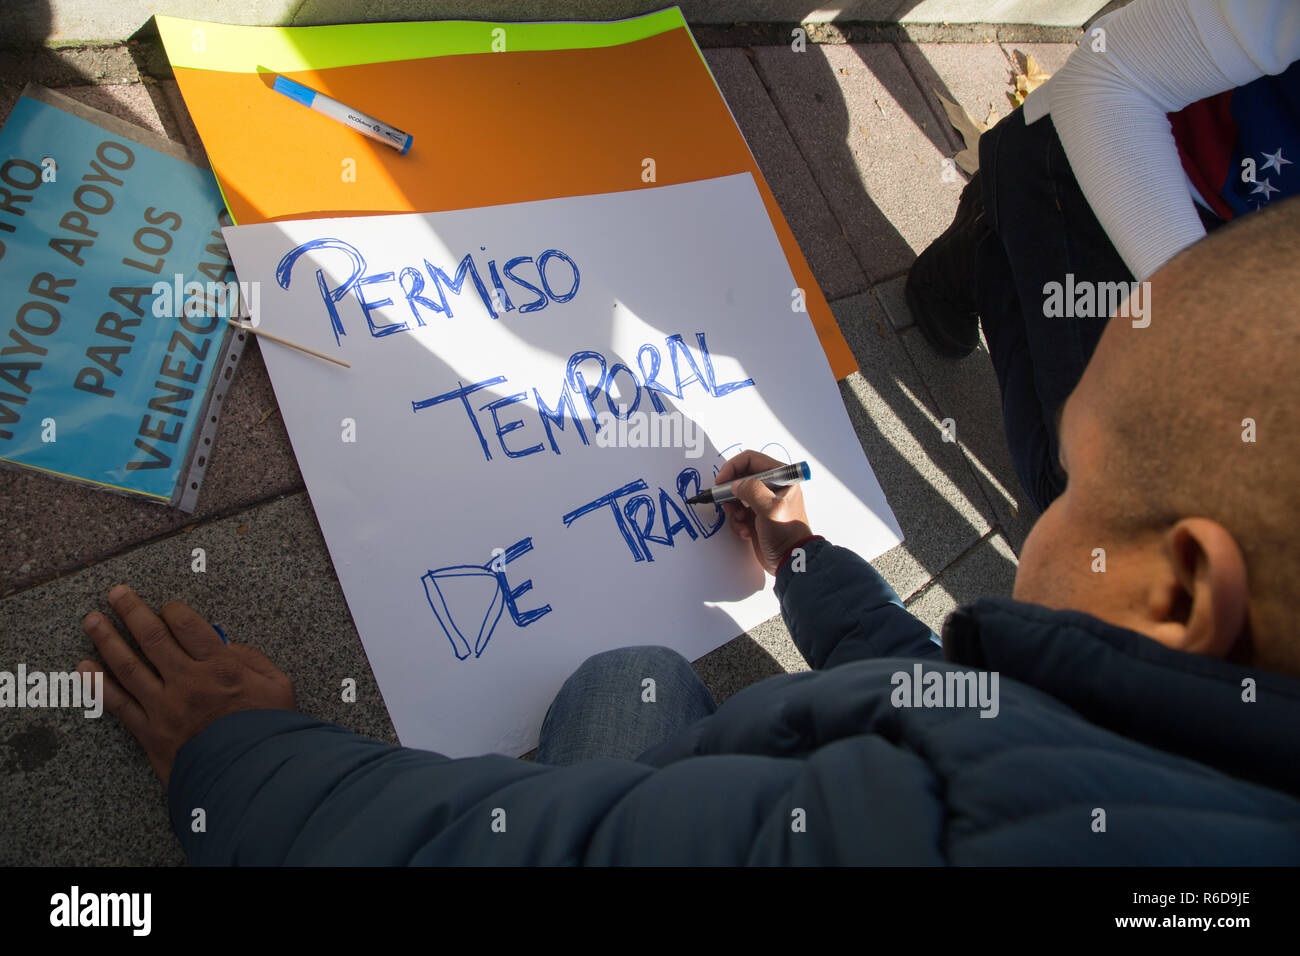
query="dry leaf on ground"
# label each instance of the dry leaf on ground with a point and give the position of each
(1030, 78)
(970, 128)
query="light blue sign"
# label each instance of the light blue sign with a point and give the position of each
(102, 378)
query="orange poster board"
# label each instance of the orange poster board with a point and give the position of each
(500, 113)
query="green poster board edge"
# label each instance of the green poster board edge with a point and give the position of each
(201, 45)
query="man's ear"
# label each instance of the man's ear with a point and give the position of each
(1204, 608)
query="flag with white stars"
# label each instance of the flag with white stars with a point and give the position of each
(1240, 149)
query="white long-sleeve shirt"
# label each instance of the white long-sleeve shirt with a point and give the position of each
(1109, 104)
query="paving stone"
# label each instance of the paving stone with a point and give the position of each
(874, 146)
(966, 390)
(939, 504)
(894, 302)
(1061, 13)
(127, 101)
(974, 76)
(764, 652)
(988, 570)
(815, 227)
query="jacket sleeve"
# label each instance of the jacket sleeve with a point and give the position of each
(839, 609)
(279, 788)
(274, 787)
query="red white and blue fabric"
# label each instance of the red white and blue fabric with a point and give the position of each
(1241, 148)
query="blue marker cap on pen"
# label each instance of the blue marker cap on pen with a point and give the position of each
(363, 123)
(295, 91)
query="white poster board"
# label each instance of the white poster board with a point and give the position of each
(485, 551)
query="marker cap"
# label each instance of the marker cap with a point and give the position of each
(295, 91)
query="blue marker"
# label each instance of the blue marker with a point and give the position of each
(357, 120)
(778, 477)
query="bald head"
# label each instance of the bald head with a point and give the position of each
(1221, 347)
(1194, 416)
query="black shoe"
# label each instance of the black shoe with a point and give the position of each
(940, 289)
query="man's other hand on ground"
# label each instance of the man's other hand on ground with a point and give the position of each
(195, 677)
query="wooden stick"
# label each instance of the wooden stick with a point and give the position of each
(293, 345)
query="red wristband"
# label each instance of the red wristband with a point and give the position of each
(795, 547)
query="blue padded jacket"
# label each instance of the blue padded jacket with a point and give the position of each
(1106, 748)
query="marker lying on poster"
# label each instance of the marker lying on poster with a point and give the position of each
(774, 478)
(357, 120)
(293, 345)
